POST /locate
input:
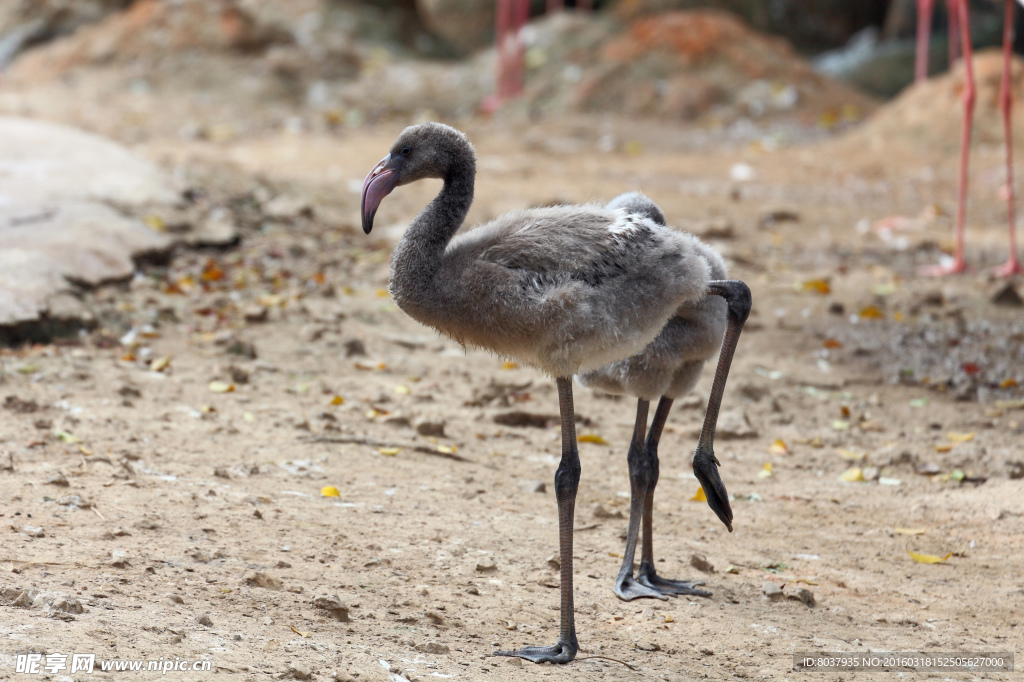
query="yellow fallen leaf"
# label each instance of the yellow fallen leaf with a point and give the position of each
(85, 451)
(330, 491)
(225, 590)
(908, 531)
(508, 364)
(402, 389)
(389, 452)
(699, 496)
(778, 447)
(897, 316)
(221, 387)
(592, 438)
(819, 286)
(613, 554)
(852, 456)
(248, 416)
(371, 365)
(160, 364)
(852, 475)
(805, 581)
(1008, 383)
(944, 447)
(298, 632)
(766, 471)
(872, 312)
(446, 449)
(668, 617)
(840, 425)
(927, 558)
(383, 293)
(961, 437)
(337, 400)
(154, 222)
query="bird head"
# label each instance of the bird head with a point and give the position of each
(427, 150)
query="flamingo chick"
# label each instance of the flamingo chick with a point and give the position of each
(667, 369)
(565, 289)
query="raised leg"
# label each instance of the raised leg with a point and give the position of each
(567, 480)
(705, 464)
(626, 587)
(646, 574)
(924, 35)
(1012, 265)
(959, 265)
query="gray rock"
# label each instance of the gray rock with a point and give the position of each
(533, 486)
(432, 648)
(264, 580)
(332, 606)
(601, 513)
(733, 424)
(299, 671)
(486, 565)
(804, 595)
(701, 563)
(57, 478)
(772, 590)
(432, 426)
(205, 619)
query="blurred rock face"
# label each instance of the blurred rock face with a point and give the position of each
(465, 24)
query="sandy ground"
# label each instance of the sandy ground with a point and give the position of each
(185, 520)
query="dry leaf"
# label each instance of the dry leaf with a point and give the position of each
(85, 451)
(852, 456)
(65, 437)
(248, 416)
(508, 364)
(1008, 383)
(766, 471)
(778, 447)
(402, 389)
(613, 554)
(337, 400)
(371, 365)
(820, 286)
(668, 617)
(160, 364)
(832, 343)
(298, 632)
(927, 558)
(592, 438)
(961, 437)
(330, 491)
(805, 581)
(908, 531)
(944, 447)
(446, 449)
(852, 475)
(389, 452)
(872, 312)
(221, 387)
(840, 425)
(699, 496)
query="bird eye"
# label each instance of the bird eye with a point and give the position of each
(405, 151)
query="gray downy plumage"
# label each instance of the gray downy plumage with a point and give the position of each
(668, 368)
(564, 289)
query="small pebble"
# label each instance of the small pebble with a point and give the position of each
(204, 620)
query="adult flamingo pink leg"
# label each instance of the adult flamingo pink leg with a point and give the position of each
(960, 19)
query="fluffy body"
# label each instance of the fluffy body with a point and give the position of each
(671, 365)
(556, 288)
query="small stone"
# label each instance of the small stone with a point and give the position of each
(432, 648)
(701, 563)
(533, 486)
(299, 671)
(255, 313)
(472, 589)
(64, 608)
(772, 590)
(175, 599)
(286, 207)
(205, 620)
(870, 473)
(804, 595)
(57, 478)
(242, 349)
(734, 424)
(6, 461)
(267, 620)
(33, 531)
(601, 513)
(1008, 296)
(648, 646)
(354, 347)
(238, 375)
(554, 562)
(264, 580)
(332, 606)
(430, 427)
(119, 558)
(486, 565)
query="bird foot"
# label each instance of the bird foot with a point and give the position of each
(627, 589)
(1010, 268)
(654, 581)
(953, 267)
(562, 652)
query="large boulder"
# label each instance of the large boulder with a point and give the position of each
(66, 204)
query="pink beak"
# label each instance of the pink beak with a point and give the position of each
(377, 185)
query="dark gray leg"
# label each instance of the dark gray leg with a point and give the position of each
(639, 481)
(567, 479)
(705, 464)
(646, 574)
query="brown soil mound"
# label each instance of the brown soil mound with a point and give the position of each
(682, 65)
(929, 115)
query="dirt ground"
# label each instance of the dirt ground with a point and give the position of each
(184, 518)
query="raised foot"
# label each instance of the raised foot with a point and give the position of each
(705, 468)
(666, 586)
(953, 267)
(1009, 268)
(628, 589)
(562, 652)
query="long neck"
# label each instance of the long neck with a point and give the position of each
(420, 252)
